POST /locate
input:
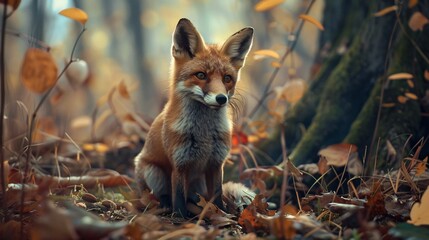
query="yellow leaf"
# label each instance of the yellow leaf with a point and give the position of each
(293, 90)
(417, 21)
(398, 76)
(411, 95)
(265, 53)
(312, 20)
(412, 3)
(76, 14)
(419, 212)
(97, 147)
(38, 71)
(402, 99)
(385, 11)
(264, 5)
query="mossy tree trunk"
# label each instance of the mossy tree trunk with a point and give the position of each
(358, 51)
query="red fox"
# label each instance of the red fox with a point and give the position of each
(189, 140)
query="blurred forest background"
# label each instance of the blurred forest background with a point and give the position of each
(130, 41)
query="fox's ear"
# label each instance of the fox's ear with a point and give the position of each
(238, 45)
(187, 42)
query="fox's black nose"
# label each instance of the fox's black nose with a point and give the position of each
(221, 99)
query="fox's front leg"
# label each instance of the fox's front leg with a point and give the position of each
(179, 183)
(214, 179)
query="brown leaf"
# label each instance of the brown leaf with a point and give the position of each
(412, 3)
(385, 11)
(402, 99)
(338, 154)
(426, 74)
(75, 14)
(123, 91)
(419, 212)
(421, 167)
(38, 71)
(263, 53)
(265, 5)
(323, 165)
(312, 20)
(417, 21)
(398, 76)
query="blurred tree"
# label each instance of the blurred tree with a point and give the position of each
(358, 51)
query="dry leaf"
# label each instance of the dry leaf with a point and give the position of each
(388, 105)
(338, 154)
(390, 149)
(123, 91)
(419, 212)
(76, 14)
(417, 21)
(12, 3)
(411, 95)
(398, 76)
(293, 90)
(322, 165)
(385, 11)
(410, 83)
(38, 71)
(312, 20)
(264, 5)
(402, 99)
(412, 3)
(421, 167)
(265, 53)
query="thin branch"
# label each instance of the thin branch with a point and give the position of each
(282, 60)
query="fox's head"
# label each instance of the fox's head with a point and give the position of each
(207, 73)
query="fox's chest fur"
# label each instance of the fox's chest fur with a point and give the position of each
(195, 135)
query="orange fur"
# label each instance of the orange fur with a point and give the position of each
(190, 139)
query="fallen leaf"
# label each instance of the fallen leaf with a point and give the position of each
(76, 14)
(338, 154)
(398, 76)
(421, 167)
(312, 20)
(417, 21)
(411, 95)
(323, 165)
(38, 71)
(426, 74)
(385, 11)
(263, 53)
(419, 212)
(265, 5)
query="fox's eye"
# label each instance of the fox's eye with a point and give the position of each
(201, 75)
(227, 79)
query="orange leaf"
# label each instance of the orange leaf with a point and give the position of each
(265, 53)
(426, 74)
(76, 14)
(12, 3)
(421, 167)
(417, 21)
(410, 83)
(264, 5)
(398, 76)
(38, 71)
(411, 95)
(412, 3)
(338, 154)
(385, 11)
(388, 105)
(312, 20)
(402, 99)
(123, 91)
(323, 165)
(275, 64)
